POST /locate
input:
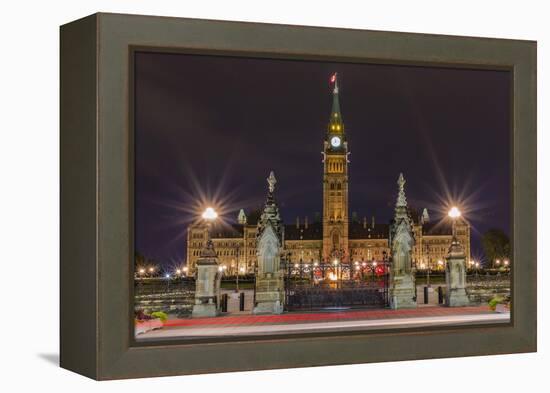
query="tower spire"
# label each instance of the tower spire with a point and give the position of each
(401, 209)
(270, 214)
(336, 124)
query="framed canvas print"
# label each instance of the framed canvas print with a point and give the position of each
(239, 196)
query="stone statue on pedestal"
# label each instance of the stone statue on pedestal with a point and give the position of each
(207, 284)
(269, 276)
(455, 274)
(402, 281)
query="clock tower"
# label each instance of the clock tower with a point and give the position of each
(335, 184)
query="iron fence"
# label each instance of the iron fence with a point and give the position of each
(173, 295)
(323, 285)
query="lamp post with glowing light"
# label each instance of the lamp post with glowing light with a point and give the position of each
(337, 276)
(454, 213)
(238, 270)
(455, 271)
(471, 264)
(207, 293)
(209, 215)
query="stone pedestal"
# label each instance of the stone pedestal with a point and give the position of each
(207, 288)
(402, 291)
(455, 277)
(270, 293)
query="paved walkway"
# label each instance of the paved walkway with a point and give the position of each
(236, 325)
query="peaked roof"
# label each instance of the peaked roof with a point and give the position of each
(359, 231)
(314, 231)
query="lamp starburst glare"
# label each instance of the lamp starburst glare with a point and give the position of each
(454, 212)
(209, 214)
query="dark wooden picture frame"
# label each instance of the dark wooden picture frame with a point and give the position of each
(97, 196)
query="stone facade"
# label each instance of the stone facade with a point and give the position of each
(236, 244)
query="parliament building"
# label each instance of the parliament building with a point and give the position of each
(334, 235)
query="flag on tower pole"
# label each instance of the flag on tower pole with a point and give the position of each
(333, 78)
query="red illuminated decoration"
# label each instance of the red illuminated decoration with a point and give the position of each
(333, 78)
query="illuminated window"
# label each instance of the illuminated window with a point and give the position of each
(338, 127)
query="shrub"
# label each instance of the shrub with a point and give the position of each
(494, 301)
(160, 315)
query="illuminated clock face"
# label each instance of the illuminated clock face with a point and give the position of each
(335, 141)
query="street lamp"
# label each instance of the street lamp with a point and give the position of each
(454, 213)
(209, 215)
(471, 264)
(238, 268)
(335, 263)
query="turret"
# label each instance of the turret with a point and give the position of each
(241, 218)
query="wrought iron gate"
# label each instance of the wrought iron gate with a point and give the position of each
(318, 286)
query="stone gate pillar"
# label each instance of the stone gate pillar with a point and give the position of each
(270, 292)
(402, 281)
(207, 284)
(455, 275)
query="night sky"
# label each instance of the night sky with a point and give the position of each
(211, 128)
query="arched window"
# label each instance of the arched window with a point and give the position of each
(339, 186)
(335, 239)
(332, 186)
